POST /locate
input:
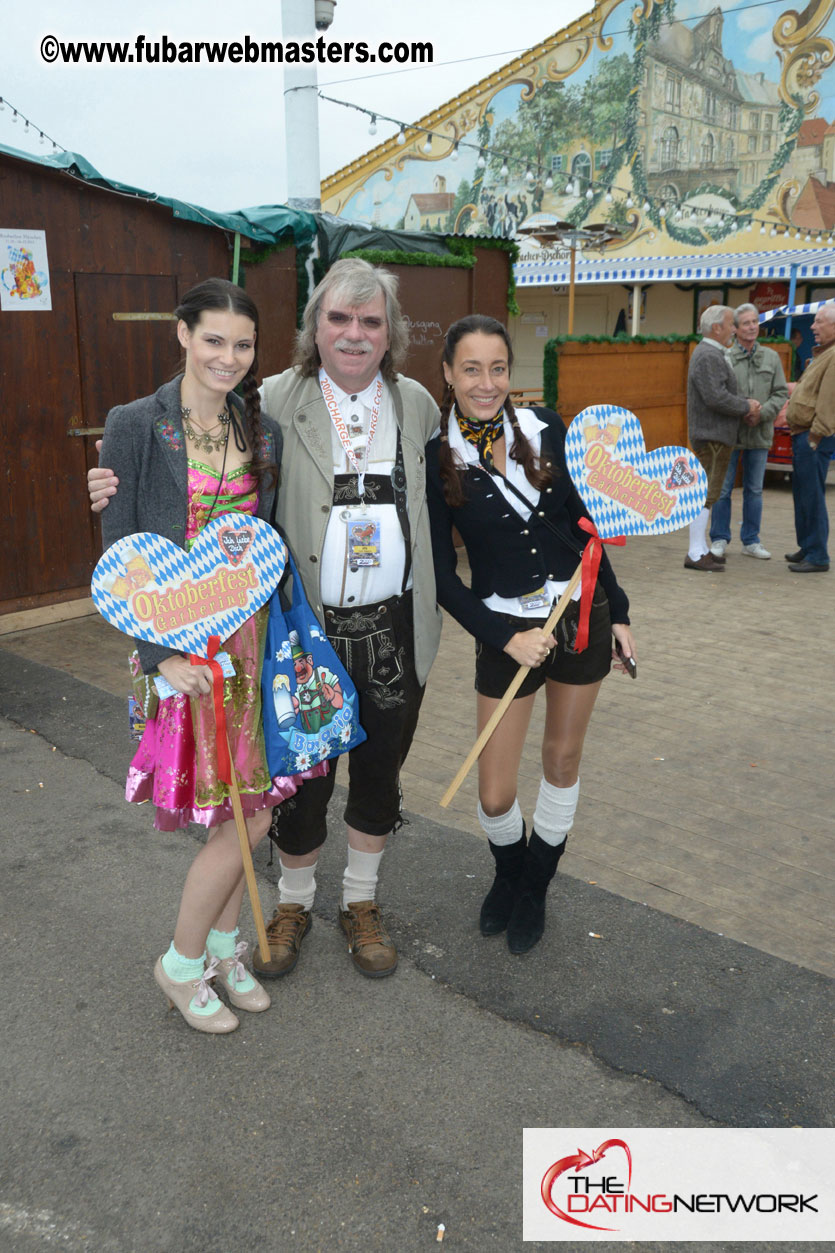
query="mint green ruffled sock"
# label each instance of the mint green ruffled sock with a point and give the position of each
(186, 970)
(221, 944)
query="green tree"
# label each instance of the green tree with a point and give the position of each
(540, 128)
(464, 195)
(603, 105)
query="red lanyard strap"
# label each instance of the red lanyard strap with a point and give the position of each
(592, 554)
(224, 766)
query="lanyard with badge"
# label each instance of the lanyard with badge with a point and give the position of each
(363, 530)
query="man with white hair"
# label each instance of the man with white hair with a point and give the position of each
(759, 373)
(714, 410)
(355, 432)
(811, 419)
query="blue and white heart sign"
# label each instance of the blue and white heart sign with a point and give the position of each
(627, 490)
(150, 589)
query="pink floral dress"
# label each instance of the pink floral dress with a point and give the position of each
(176, 763)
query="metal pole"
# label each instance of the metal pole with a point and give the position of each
(792, 293)
(236, 257)
(636, 310)
(301, 112)
(571, 289)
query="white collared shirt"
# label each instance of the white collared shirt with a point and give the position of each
(531, 427)
(342, 584)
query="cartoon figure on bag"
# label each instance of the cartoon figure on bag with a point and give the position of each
(318, 692)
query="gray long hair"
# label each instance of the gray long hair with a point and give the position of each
(354, 282)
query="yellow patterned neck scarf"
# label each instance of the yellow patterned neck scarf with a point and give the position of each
(482, 435)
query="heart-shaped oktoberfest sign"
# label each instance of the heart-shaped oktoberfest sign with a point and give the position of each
(627, 490)
(152, 590)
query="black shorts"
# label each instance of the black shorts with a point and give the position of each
(375, 643)
(495, 669)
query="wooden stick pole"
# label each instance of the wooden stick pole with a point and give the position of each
(249, 870)
(500, 710)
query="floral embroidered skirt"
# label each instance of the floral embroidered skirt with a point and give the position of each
(176, 766)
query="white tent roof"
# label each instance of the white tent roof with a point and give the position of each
(551, 269)
(796, 311)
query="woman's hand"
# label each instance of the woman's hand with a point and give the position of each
(530, 648)
(624, 637)
(186, 678)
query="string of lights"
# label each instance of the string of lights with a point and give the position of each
(29, 125)
(683, 212)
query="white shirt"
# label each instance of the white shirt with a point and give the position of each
(531, 428)
(342, 583)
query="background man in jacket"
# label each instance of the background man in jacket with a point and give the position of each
(811, 419)
(759, 374)
(714, 409)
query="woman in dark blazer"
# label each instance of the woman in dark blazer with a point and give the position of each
(499, 477)
(188, 453)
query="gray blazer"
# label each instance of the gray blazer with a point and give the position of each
(145, 445)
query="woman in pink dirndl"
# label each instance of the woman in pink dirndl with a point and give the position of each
(184, 456)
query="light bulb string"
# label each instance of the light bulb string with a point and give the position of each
(28, 124)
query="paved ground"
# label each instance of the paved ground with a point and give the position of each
(360, 1115)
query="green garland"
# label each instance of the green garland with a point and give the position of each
(381, 256)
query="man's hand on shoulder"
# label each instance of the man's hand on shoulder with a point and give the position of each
(101, 484)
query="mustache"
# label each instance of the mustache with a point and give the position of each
(352, 345)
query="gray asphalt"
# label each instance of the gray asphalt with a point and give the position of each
(357, 1114)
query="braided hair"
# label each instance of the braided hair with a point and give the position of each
(452, 474)
(219, 293)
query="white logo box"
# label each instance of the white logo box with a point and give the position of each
(662, 1184)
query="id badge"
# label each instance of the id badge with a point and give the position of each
(136, 719)
(364, 542)
(532, 602)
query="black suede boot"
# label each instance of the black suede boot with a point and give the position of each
(498, 903)
(527, 920)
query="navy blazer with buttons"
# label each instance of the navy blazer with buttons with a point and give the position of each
(509, 555)
(145, 445)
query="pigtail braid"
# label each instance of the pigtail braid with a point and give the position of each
(451, 474)
(262, 465)
(535, 472)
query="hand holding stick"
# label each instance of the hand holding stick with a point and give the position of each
(500, 710)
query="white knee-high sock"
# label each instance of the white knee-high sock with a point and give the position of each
(297, 887)
(359, 882)
(502, 829)
(555, 810)
(698, 536)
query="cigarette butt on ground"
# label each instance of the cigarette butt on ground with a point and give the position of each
(441, 1230)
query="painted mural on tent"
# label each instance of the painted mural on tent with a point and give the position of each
(679, 123)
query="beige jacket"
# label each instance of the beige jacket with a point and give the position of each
(305, 492)
(812, 403)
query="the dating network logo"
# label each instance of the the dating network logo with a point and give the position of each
(579, 1193)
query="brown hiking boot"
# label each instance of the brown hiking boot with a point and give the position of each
(369, 943)
(285, 932)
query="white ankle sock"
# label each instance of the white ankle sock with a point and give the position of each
(502, 828)
(698, 536)
(297, 887)
(359, 882)
(555, 810)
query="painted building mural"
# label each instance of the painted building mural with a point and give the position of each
(684, 126)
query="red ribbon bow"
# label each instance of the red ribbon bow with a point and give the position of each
(592, 553)
(224, 766)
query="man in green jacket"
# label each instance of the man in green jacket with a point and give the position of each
(759, 374)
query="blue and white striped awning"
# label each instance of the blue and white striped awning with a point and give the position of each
(796, 311)
(552, 268)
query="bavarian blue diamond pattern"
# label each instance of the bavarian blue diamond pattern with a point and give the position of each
(146, 586)
(627, 490)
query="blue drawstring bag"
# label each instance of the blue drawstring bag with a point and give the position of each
(308, 699)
